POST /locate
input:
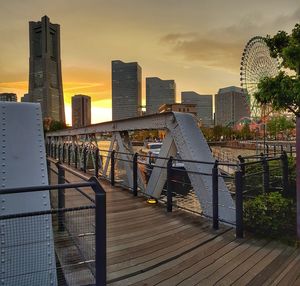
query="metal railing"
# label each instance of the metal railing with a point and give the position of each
(78, 243)
(236, 181)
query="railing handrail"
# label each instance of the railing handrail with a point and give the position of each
(45, 188)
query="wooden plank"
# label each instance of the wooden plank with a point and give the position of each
(218, 274)
(244, 266)
(212, 266)
(257, 268)
(162, 254)
(173, 267)
(295, 258)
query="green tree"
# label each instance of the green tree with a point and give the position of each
(283, 91)
(53, 125)
(245, 132)
(279, 124)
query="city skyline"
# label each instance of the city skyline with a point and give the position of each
(199, 45)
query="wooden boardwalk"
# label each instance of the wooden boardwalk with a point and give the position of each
(147, 246)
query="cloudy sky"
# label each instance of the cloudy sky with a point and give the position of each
(198, 43)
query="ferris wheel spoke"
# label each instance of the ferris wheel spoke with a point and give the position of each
(256, 64)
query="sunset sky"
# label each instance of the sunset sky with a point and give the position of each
(198, 43)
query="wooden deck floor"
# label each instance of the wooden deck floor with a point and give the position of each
(147, 246)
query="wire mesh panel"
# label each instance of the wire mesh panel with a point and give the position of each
(69, 232)
(74, 237)
(23, 244)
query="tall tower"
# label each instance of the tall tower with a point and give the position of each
(159, 92)
(81, 110)
(126, 89)
(45, 80)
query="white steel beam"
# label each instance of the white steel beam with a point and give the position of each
(159, 174)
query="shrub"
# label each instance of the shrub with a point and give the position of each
(270, 215)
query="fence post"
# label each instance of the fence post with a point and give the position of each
(63, 152)
(239, 188)
(266, 173)
(242, 164)
(61, 197)
(59, 152)
(100, 230)
(215, 195)
(169, 184)
(291, 150)
(97, 162)
(49, 171)
(267, 149)
(285, 172)
(76, 156)
(84, 159)
(281, 148)
(55, 150)
(274, 147)
(69, 154)
(112, 167)
(135, 178)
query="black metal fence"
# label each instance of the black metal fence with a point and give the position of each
(64, 245)
(250, 177)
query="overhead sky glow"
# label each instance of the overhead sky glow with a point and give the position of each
(196, 43)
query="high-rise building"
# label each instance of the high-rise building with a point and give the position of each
(204, 105)
(126, 89)
(159, 92)
(81, 110)
(8, 97)
(45, 80)
(230, 106)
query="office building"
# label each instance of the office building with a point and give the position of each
(8, 97)
(45, 80)
(178, 107)
(81, 110)
(230, 106)
(159, 92)
(204, 106)
(126, 90)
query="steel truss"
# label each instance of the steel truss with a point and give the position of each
(183, 137)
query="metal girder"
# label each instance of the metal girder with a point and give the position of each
(190, 144)
(159, 175)
(124, 146)
(157, 121)
(26, 244)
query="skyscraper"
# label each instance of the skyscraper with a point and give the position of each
(159, 92)
(203, 103)
(81, 110)
(45, 80)
(8, 97)
(126, 89)
(230, 105)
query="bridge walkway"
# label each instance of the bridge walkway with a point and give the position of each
(148, 246)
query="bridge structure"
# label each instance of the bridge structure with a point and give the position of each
(69, 228)
(183, 139)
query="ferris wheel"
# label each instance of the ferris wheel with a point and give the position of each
(256, 64)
